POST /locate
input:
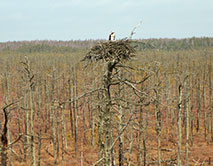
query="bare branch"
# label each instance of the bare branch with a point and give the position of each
(133, 30)
(98, 161)
(121, 132)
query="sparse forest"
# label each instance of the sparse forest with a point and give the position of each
(63, 104)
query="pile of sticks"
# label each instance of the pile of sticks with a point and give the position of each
(111, 51)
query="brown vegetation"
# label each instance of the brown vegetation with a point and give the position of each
(155, 109)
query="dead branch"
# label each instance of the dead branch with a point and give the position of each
(98, 162)
(121, 132)
(133, 30)
(19, 137)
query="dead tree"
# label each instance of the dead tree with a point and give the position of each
(186, 84)
(181, 87)
(4, 139)
(111, 54)
(28, 77)
(158, 116)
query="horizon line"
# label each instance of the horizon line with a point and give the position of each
(151, 38)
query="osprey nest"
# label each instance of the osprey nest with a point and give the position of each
(111, 51)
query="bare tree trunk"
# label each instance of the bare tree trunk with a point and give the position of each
(158, 119)
(131, 139)
(53, 119)
(179, 123)
(4, 139)
(120, 122)
(70, 105)
(77, 116)
(30, 90)
(100, 138)
(63, 111)
(167, 114)
(90, 107)
(191, 112)
(26, 127)
(146, 138)
(3, 156)
(107, 113)
(198, 104)
(75, 111)
(82, 151)
(112, 157)
(33, 159)
(210, 127)
(140, 135)
(7, 83)
(47, 116)
(62, 135)
(57, 130)
(57, 117)
(204, 106)
(39, 125)
(172, 114)
(100, 129)
(84, 119)
(28, 76)
(9, 140)
(187, 124)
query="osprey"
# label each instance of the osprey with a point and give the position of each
(112, 36)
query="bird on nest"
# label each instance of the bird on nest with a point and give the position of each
(112, 36)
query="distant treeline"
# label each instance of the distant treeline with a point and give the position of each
(46, 46)
(74, 45)
(175, 44)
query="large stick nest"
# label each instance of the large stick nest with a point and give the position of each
(111, 51)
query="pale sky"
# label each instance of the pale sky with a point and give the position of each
(95, 19)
